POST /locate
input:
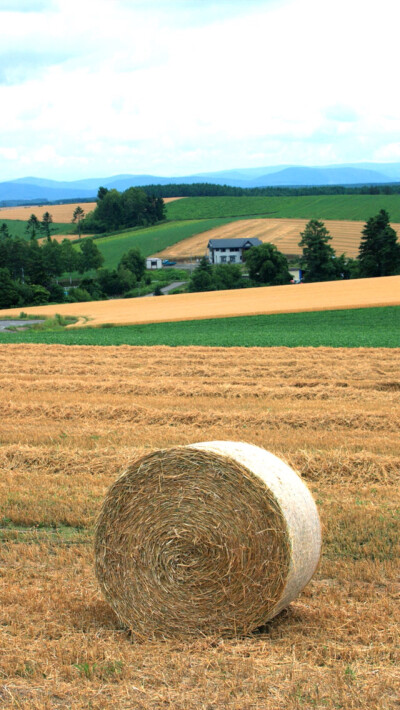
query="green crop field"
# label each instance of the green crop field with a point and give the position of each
(152, 239)
(363, 327)
(17, 228)
(353, 207)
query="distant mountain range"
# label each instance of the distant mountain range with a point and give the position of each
(31, 189)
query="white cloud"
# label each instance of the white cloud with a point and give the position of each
(139, 89)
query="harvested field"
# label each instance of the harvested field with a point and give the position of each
(60, 213)
(72, 417)
(60, 237)
(358, 293)
(173, 199)
(284, 233)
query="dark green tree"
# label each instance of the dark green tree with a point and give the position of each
(90, 257)
(92, 287)
(227, 276)
(77, 218)
(40, 295)
(127, 278)
(379, 253)
(52, 258)
(115, 282)
(135, 207)
(318, 259)
(108, 215)
(116, 210)
(69, 257)
(134, 262)
(102, 191)
(17, 257)
(32, 226)
(267, 265)
(8, 291)
(4, 233)
(202, 277)
(45, 225)
(36, 270)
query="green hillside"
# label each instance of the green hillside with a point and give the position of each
(152, 239)
(17, 228)
(354, 207)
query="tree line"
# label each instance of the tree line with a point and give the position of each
(120, 210)
(30, 271)
(206, 189)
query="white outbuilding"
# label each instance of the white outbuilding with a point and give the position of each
(154, 263)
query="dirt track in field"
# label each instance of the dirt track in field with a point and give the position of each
(71, 419)
(284, 233)
(358, 293)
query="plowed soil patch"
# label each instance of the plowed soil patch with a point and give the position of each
(284, 233)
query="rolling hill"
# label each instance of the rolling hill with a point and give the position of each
(33, 188)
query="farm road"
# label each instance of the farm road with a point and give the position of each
(167, 289)
(5, 324)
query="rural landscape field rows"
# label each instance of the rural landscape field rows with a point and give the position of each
(60, 213)
(284, 233)
(72, 417)
(358, 293)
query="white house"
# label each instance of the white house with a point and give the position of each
(154, 263)
(230, 251)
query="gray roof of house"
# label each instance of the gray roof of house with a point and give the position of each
(233, 243)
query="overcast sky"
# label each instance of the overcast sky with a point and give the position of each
(92, 88)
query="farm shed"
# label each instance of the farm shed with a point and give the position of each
(230, 251)
(154, 263)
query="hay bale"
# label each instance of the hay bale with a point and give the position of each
(214, 537)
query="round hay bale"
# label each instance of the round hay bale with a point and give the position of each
(214, 537)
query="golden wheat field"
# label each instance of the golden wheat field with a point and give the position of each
(284, 233)
(358, 293)
(60, 213)
(60, 237)
(72, 417)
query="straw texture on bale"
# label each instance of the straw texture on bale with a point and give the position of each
(214, 537)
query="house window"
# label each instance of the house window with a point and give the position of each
(232, 259)
(223, 259)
